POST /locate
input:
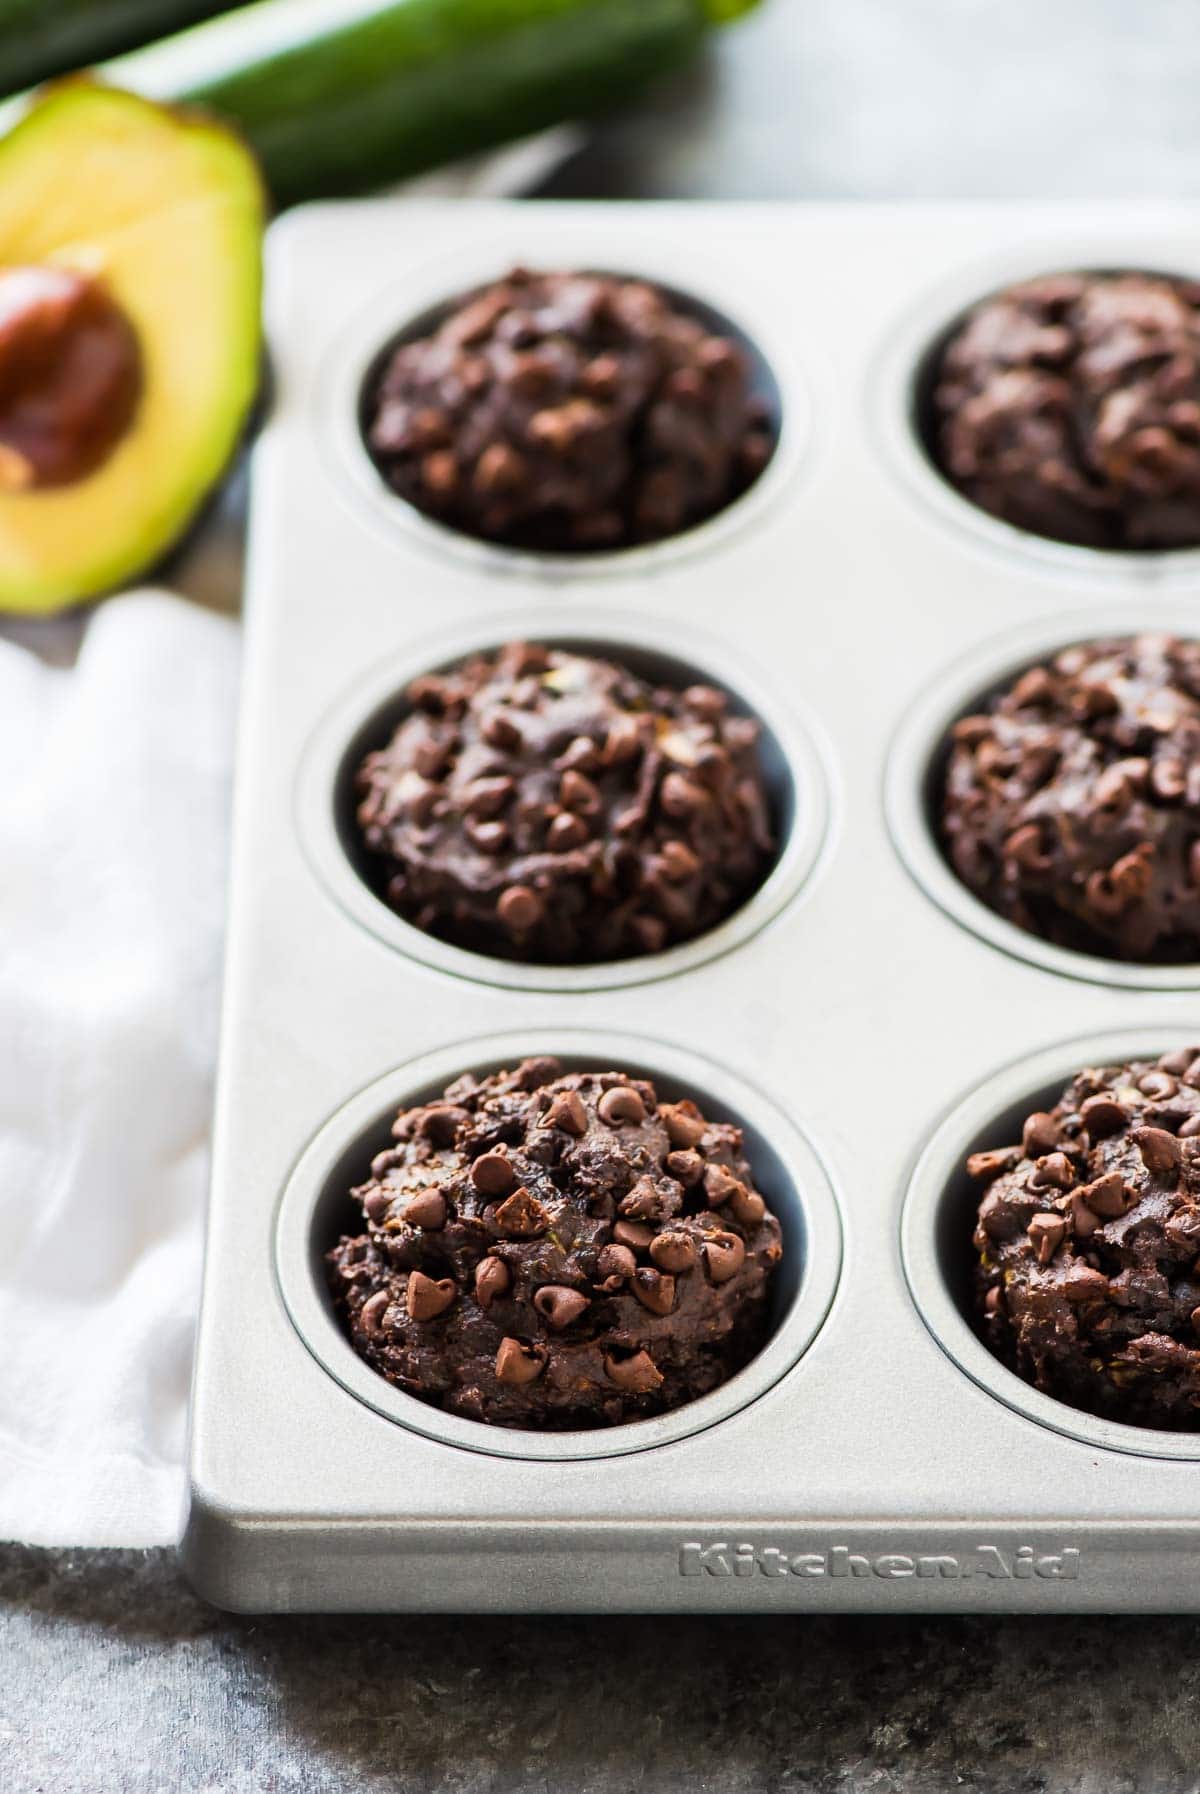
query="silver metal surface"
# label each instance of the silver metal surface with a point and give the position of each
(869, 1459)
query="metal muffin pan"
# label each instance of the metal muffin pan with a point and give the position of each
(873, 1456)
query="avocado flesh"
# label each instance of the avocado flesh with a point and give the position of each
(166, 210)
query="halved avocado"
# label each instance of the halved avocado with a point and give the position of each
(130, 272)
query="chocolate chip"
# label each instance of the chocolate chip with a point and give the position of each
(566, 832)
(1084, 1220)
(621, 1103)
(519, 908)
(492, 1173)
(1160, 1150)
(1039, 1135)
(426, 1299)
(576, 792)
(485, 798)
(1055, 1171)
(517, 1364)
(521, 1216)
(567, 1112)
(1047, 1232)
(634, 1234)
(616, 1261)
(720, 1184)
(492, 1279)
(638, 1373)
(558, 1305)
(686, 1165)
(1158, 1085)
(370, 1315)
(748, 1207)
(1106, 1196)
(440, 1123)
(644, 1201)
(724, 1256)
(678, 862)
(1179, 1061)
(992, 1163)
(500, 731)
(489, 837)
(673, 1252)
(681, 796)
(654, 1290)
(684, 1123)
(376, 1203)
(1103, 1115)
(426, 1210)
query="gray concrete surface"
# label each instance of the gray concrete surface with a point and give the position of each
(113, 1678)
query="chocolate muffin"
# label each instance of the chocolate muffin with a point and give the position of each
(557, 1250)
(568, 411)
(1070, 406)
(548, 806)
(1071, 802)
(1088, 1280)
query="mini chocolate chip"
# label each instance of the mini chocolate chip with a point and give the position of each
(992, 1163)
(644, 1201)
(621, 1103)
(616, 1261)
(371, 1314)
(720, 1184)
(566, 832)
(520, 908)
(673, 1252)
(488, 837)
(492, 1279)
(376, 1203)
(576, 792)
(1158, 1086)
(567, 1112)
(1106, 1196)
(1047, 1233)
(654, 1290)
(440, 1123)
(623, 740)
(1083, 1219)
(426, 1299)
(558, 1305)
(1102, 1115)
(681, 796)
(492, 1173)
(684, 1123)
(426, 1210)
(517, 1363)
(686, 1165)
(638, 1373)
(678, 861)
(485, 798)
(1160, 1150)
(500, 731)
(522, 1216)
(748, 1207)
(724, 1256)
(1039, 1135)
(634, 1234)
(1055, 1171)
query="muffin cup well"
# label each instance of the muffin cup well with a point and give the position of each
(314, 1210)
(794, 767)
(939, 1216)
(403, 314)
(899, 393)
(915, 770)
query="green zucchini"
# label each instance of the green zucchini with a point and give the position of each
(40, 38)
(338, 95)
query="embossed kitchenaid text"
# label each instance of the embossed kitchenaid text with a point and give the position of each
(989, 1562)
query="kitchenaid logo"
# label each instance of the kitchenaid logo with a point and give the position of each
(988, 1562)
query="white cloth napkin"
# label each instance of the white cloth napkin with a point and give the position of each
(113, 844)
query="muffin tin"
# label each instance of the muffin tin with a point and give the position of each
(862, 1017)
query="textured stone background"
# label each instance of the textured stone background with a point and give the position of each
(113, 1678)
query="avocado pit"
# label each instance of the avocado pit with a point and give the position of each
(70, 376)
